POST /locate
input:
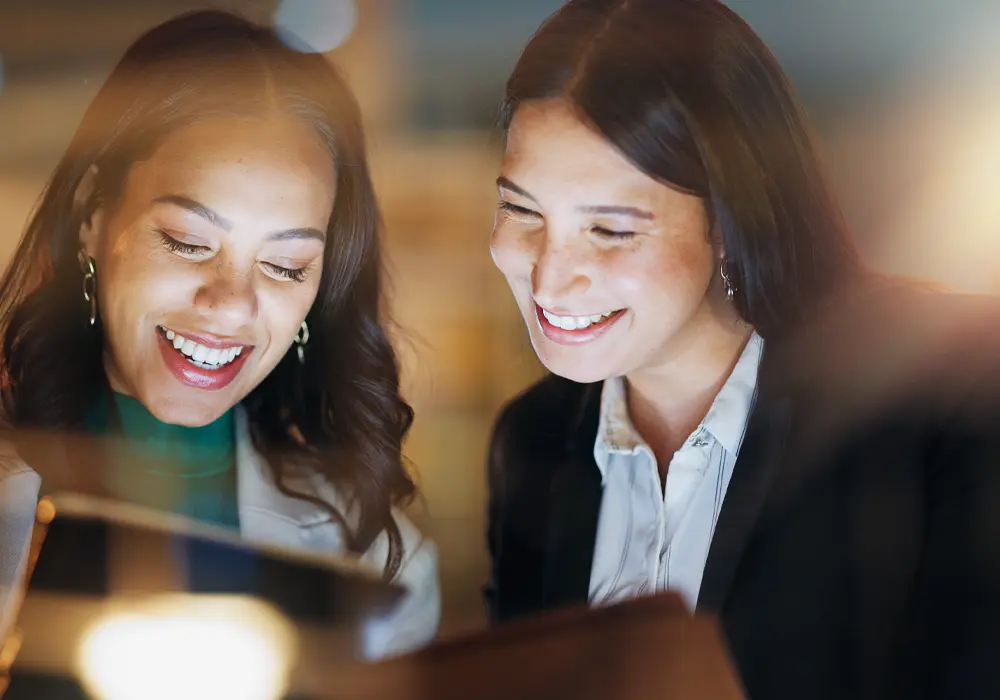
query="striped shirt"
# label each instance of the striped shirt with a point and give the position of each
(652, 538)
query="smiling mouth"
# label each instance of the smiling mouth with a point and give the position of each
(200, 355)
(579, 323)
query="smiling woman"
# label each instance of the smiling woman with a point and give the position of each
(208, 253)
(738, 410)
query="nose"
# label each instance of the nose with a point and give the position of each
(560, 270)
(228, 298)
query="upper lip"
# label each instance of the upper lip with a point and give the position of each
(209, 341)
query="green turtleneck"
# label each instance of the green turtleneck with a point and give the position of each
(188, 471)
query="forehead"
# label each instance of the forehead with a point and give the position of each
(548, 144)
(261, 166)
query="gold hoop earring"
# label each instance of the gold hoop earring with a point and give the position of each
(89, 283)
(727, 280)
(301, 338)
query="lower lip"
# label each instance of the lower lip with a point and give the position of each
(581, 335)
(197, 377)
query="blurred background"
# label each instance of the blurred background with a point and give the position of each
(902, 93)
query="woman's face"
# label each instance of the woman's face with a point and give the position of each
(209, 262)
(613, 271)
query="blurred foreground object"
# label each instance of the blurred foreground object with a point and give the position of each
(125, 602)
(10, 642)
(644, 649)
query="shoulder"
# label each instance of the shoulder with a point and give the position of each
(419, 554)
(414, 623)
(419, 561)
(19, 486)
(13, 468)
(542, 417)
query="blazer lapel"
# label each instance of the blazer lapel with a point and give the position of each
(574, 508)
(758, 463)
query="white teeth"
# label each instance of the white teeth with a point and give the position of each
(205, 357)
(574, 323)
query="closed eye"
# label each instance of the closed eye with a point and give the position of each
(288, 273)
(514, 209)
(176, 246)
(609, 233)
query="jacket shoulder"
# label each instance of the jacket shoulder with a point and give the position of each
(415, 621)
(542, 416)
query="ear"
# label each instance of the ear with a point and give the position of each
(89, 211)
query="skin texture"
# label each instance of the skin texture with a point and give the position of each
(220, 272)
(582, 231)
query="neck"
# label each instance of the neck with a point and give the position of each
(162, 447)
(667, 401)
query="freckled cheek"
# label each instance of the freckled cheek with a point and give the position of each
(678, 276)
(512, 253)
(282, 308)
(141, 283)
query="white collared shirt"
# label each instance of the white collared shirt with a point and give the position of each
(652, 538)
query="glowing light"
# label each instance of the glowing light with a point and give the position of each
(948, 231)
(315, 26)
(196, 648)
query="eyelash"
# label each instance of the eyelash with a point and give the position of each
(514, 209)
(296, 275)
(608, 233)
(173, 245)
(599, 230)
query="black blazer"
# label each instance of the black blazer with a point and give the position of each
(857, 553)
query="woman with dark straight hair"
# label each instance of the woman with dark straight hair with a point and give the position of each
(198, 300)
(738, 410)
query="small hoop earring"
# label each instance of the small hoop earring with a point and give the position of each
(727, 280)
(89, 283)
(301, 338)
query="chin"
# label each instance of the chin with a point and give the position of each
(582, 373)
(184, 413)
(578, 364)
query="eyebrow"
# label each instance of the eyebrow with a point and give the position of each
(508, 185)
(635, 212)
(627, 211)
(225, 224)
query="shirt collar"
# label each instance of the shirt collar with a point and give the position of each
(726, 418)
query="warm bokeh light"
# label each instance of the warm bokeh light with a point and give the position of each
(323, 26)
(196, 648)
